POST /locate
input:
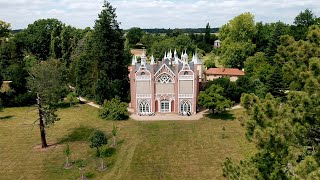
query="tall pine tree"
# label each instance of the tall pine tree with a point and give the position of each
(111, 58)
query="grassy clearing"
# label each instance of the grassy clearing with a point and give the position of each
(208, 57)
(146, 150)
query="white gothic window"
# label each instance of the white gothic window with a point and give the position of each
(144, 106)
(164, 78)
(185, 106)
(186, 73)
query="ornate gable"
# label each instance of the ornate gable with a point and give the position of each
(143, 74)
(164, 69)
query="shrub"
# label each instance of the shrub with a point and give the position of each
(72, 98)
(114, 110)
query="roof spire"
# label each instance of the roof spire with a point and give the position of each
(165, 55)
(152, 60)
(196, 58)
(133, 60)
(143, 58)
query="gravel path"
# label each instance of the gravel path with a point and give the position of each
(90, 103)
(159, 116)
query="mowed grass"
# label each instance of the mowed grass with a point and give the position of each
(145, 150)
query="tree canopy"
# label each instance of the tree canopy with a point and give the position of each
(236, 37)
(134, 35)
(213, 99)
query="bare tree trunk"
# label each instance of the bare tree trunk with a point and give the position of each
(102, 164)
(114, 141)
(41, 124)
(67, 161)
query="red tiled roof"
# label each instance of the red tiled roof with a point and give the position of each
(225, 71)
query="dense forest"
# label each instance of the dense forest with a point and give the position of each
(280, 90)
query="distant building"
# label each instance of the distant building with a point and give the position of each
(215, 73)
(169, 85)
(217, 44)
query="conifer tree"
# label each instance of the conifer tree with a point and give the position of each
(109, 56)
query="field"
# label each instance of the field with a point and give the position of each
(145, 150)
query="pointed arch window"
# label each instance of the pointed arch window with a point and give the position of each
(185, 106)
(144, 106)
(165, 78)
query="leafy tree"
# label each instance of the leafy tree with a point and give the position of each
(114, 110)
(81, 164)
(305, 18)
(237, 36)
(98, 139)
(180, 43)
(4, 30)
(134, 35)
(72, 98)
(230, 89)
(67, 152)
(38, 36)
(212, 99)
(234, 54)
(47, 81)
(241, 28)
(55, 44)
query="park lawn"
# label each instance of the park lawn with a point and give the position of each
(145, 150)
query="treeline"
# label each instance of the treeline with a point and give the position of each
(157, 44)
(182, 30)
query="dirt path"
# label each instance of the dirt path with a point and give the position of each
(90, 103)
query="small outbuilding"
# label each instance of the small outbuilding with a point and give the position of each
(217, 44)
(215, 73)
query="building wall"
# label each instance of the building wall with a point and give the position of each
(185, 87)
(212, 77)
(180, 90)
(167, 88)
(143, 87)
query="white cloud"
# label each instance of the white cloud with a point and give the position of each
(153, 13)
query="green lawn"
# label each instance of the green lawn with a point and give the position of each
(146, 150)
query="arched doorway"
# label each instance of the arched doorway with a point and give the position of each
(164, 106)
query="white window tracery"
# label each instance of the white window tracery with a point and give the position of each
(185, 106)
(144, 106)
(165, 78)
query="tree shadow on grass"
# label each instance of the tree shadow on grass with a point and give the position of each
(223, 116)
(78, 134)
(109, 151)
(6, 117)
(65, 105)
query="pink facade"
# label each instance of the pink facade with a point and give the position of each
(169, 85)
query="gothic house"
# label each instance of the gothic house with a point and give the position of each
(169, 85)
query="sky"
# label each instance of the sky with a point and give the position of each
(153, 13)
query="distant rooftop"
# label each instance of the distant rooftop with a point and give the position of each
(225, 71)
